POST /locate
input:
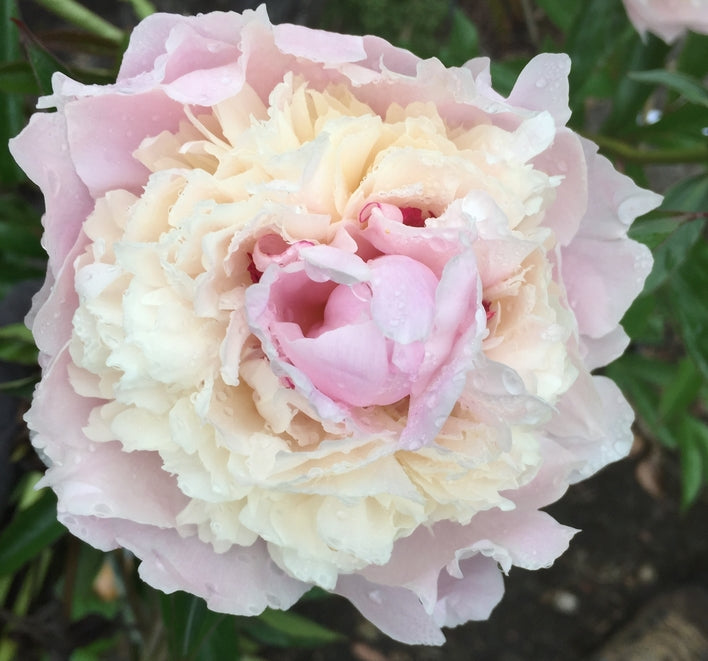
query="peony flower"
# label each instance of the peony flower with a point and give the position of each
(668, 19)
(319, 312)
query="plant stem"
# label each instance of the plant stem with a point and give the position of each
(142, 8)
(627, 152)
(77, 14)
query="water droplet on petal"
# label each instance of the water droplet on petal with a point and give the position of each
(512, 382)
(376, 596)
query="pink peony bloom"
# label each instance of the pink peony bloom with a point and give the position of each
(668, 19)
(319, 312)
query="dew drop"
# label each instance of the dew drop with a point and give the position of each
(541, 82)
(512, 382)
(620, 448)
(53, 181)
(376, 596)
(274, 601)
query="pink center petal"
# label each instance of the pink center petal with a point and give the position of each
(349, 364)
(403, 298)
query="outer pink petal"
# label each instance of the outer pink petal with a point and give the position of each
(319, 46)
(53, 308)
(552, 479)
(593, 422)
(106, 481)
(473, 596)
(91, 478)
(156, 38)
(603, 350)
(104, 131)
(616, 200)
(668, 19)
(602, 269)
(602, 278)
(521, 537)
(566, 158)
(396, 611)
(543, 85)
(241, 581)
(42, 151)
(58, 415)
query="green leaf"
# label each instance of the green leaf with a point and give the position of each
(629, 97)
(693, 443)
(18, 352)
(688, 289)
(561, 12)
(11, 109)
(285, 629)
(672, 252)
(42, 62)
(677, 127)
(692, 57)
(680, 393)
(18, 332)
(644, 321)
(688, 87)
(463, 43)
(30, 531)
(196, 633)
(689, 195)
(85, 599)
(628, 374)
(17, 78)
(594, 56)
(19, 387)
